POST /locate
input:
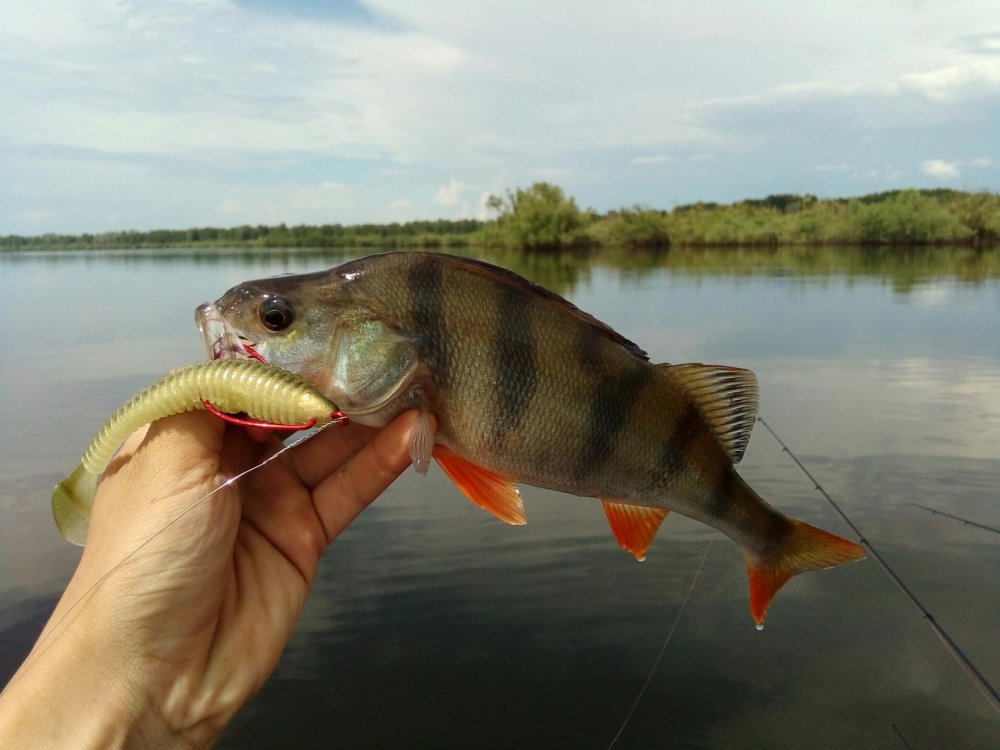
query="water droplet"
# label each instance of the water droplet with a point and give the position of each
(760, 626)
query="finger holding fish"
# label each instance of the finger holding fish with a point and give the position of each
(315, 458)
(351, 487)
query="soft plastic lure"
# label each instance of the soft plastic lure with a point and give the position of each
(269, 396)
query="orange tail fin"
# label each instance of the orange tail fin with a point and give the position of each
(806, 548)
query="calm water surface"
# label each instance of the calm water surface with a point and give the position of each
(434, 625)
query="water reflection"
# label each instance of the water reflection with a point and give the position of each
(431, 624)
(904, 268)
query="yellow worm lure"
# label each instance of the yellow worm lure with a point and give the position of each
(270, 396)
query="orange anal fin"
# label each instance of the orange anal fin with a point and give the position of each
(634, 526)
(499, 495)
(806, 548)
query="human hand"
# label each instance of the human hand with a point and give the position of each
(166, 649)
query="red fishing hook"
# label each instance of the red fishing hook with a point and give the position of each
(338, 418)
(253, 353)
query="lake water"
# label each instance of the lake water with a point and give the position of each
(434, 625)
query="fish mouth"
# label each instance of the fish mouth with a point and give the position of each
(220, 339)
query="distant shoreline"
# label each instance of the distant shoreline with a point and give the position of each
(543, 218)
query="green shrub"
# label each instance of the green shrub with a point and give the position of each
(905, 217)
(633, 227)
(537, 218)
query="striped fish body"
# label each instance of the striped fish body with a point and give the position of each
(527, 388)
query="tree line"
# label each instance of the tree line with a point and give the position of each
(413, 233)
(542, 217)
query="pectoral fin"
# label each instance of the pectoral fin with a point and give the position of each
(422, 442)
(499, 495)
(634, 526)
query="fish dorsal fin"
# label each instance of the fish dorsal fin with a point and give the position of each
(634, 526)
(726, 397)
(499, 495)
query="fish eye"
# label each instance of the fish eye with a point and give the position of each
(276, 313)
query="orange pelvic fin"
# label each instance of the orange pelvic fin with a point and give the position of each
(806, 548)
(499, 495)
(634, 526)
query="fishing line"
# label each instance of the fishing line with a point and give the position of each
(36, 650)
(663, 648)
(966, 521)
(970, 669)
(901, 737)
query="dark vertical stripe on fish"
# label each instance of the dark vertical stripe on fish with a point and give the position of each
(675, 445)
(515, 362)
(723, 494)
(427, 303)
(695, 447)
(611, 404)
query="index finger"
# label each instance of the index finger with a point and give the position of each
(341, 497)
(316, 458)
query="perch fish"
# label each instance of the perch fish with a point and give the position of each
(525, 388)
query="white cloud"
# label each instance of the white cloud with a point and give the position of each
(803, 91)
(401, 210)
(940, 169)
(451, 193)
(37, 218)
(976, 78)
(641, 161)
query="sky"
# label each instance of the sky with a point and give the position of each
(120, 114)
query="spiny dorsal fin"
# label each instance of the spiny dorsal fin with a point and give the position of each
(726, 397)
(634, 526)
(499, 495)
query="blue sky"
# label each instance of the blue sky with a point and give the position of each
(119, 114)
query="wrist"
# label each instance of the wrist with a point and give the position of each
(70, 693)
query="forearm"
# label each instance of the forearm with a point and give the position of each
(70, 694)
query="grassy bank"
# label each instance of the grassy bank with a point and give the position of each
(542, 217)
